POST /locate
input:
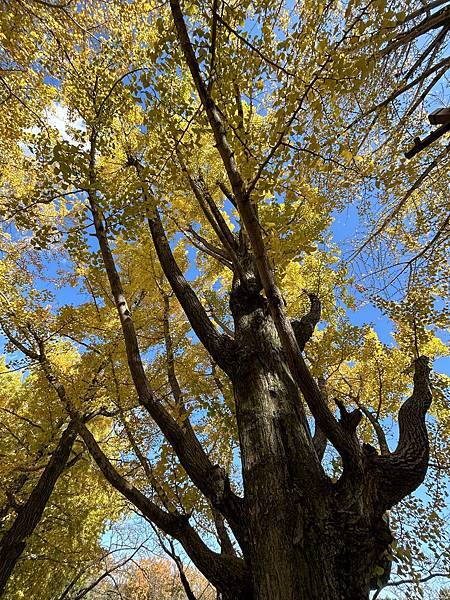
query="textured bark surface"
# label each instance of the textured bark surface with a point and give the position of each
(309, 539)
(294, 534)
(301, 536)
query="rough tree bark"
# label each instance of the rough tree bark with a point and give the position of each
(310, 538)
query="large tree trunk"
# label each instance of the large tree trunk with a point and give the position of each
(309, 539)
(306, 537)
(302, 536)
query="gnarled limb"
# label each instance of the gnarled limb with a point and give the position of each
(402, 471)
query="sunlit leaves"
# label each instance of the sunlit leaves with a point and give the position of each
(312, 110)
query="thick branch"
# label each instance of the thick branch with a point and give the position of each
(210, 107)
(335, 433)
(210, 477)
(226, 545)
(401, 472)
(421, 144)
(424, 9)
(222, 571)
(441, 18)
(184, 442)
(219, 345)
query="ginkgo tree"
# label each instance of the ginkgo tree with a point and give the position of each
(205, 358)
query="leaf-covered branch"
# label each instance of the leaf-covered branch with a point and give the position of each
(335, 433)
(182, 439)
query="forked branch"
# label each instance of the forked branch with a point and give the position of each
(183, 440)
(334, 431)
